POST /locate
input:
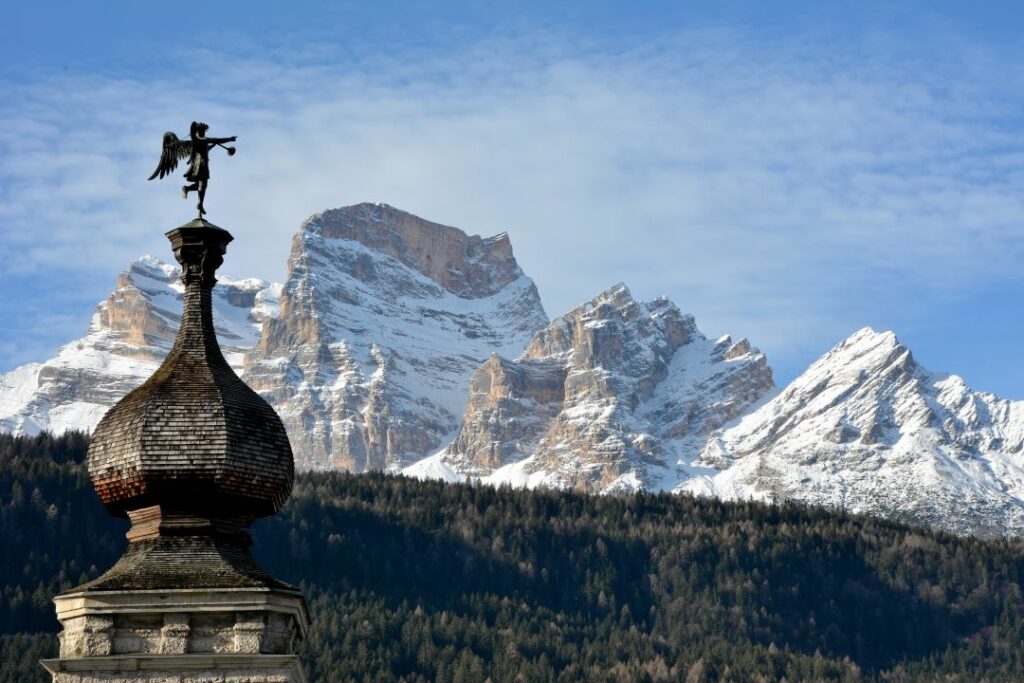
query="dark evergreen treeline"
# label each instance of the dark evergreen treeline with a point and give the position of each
(54, 534)
(423, 581)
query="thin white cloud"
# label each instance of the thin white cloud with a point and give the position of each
(784, 193)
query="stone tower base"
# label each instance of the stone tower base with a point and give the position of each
(178, 669)
(180, 636)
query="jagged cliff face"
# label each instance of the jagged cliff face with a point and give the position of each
(867, 429)
(383, 319)
(607, 398)
(129, 335)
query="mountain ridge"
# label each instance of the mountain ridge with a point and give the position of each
(605, 397)
(866, 428)
(398, 343)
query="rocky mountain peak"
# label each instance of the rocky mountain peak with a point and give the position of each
(867, 429)
(596, 331)
(152, 268)
(618, 341)
(468, 266)
(384, 317)
(867, 351)
(128, 316)
(607, 397)
(869, 370)
(129, 334)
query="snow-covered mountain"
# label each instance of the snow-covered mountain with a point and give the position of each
(867, 429)
(608, 397)
(365, 351)
(383, 319)
(398, 343)
(128, 336)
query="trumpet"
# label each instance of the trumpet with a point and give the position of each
(231, 150)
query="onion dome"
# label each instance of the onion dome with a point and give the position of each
(193, 450)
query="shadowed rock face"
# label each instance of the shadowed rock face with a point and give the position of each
(468, 266)
(382, 321)
(607, 397)
(510, 404)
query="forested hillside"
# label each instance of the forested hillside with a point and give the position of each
(422, 581)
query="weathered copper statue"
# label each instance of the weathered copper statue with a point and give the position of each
(197, 149)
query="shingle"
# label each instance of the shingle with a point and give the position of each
(194, 455)
(193, 428)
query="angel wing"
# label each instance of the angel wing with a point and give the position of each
(174, 151)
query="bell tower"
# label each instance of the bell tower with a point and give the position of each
(192, 457)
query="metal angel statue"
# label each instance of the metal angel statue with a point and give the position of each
(197, 149)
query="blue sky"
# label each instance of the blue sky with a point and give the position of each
(789, 172)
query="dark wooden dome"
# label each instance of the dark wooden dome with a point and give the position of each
(194, 440)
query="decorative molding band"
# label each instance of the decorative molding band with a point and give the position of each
(231, 666)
